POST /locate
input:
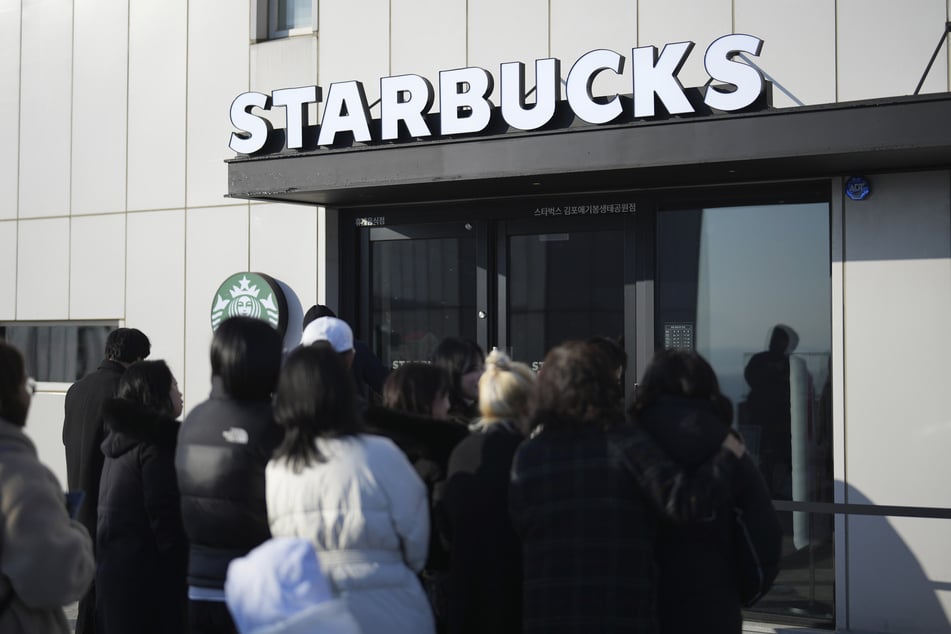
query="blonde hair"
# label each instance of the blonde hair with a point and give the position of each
(505, 389)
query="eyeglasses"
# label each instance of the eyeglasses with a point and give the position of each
(31, 385)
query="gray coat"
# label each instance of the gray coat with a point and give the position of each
(45, 557)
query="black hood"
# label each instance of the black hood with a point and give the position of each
(418, 436)
(687, 429)
(129, 424)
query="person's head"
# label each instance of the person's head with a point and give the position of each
(505, 390)
(14, 393)
(613, 352)
(782, 339)
(463, 360)
(246, 357)
(151, 384)
(315, 398)
(576, 386)
(315, 312)
(279, 587)
(127, 345)
(680, 373)
(417, 388)
(334, 331)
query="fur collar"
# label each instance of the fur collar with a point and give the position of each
(128, 424)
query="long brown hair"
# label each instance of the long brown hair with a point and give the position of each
(577, 386)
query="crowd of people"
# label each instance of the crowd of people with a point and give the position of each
(319, 493)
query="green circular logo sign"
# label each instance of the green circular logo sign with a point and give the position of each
(250, 295)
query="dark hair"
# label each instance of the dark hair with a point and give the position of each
(127, 345)
(246, 356)
(14, 404)
(577, 385)
(458, 356)
(148, 383)
(316, 312)
(413, 387)
(613, 350)
(680, 373)
(315, 398)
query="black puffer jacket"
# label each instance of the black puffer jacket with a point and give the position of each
(698, 584)
(141, 547)
(223, 448)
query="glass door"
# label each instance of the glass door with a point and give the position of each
(422, 284)
(561, 279)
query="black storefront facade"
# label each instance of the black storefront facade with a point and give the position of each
(710, 231)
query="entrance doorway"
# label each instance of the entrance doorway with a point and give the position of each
(727, 272)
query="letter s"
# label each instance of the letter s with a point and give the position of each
(255, 130)
(721, 67)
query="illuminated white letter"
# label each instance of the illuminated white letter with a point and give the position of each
(395, 106)
(346, 110)
(255, 130)
(293, 100)
(580, 79)
(658, 76)
(464, 104)
(547, 93)
(720, 66)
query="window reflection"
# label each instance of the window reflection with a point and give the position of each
(564, 286)
(750, 289)
(423, 290)
(60, 353)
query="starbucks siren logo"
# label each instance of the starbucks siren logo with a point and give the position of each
(250, 295)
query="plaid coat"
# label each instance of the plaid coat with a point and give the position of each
(586, 503)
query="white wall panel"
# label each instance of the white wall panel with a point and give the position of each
(9, 106)
(798, 50)
(44, 426)
(158, 39)
(45, 80)
(284, 63)
(100, 55)
(354, 44)
(897, 301)
(217, 73)
(883, 47)
(8, 269)
(216, 247)
(97, 267)
(898, 574)
(577, 28)
(155, 284)
(43, 269)
(666, 21)
(284, 246)
(427, 36)
(502, 31)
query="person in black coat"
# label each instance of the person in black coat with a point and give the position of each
(415, 415)
(485, 556)
(83, 433)
(702, 583)
(142, 549)
(586, 496)
(223, 448)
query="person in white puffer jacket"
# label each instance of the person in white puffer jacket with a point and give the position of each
(353, 495)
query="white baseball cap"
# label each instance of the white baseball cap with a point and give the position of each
(330, 329)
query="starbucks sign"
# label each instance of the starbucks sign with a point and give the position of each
(250, 295)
